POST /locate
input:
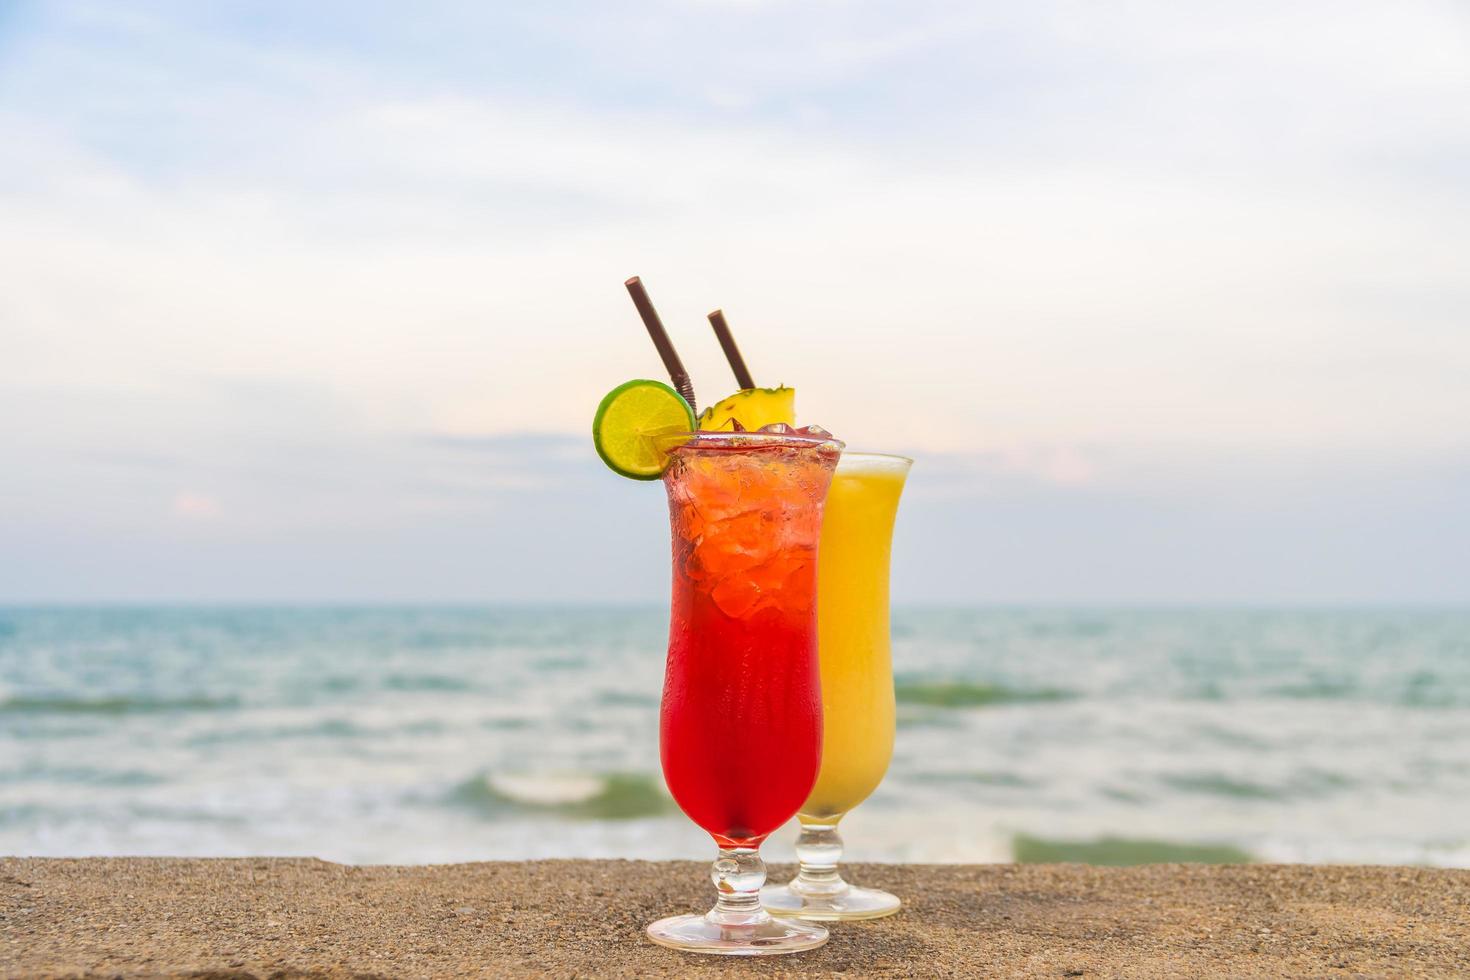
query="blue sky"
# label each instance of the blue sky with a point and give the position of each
(314, 301)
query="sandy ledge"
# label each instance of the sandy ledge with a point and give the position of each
(286, 918)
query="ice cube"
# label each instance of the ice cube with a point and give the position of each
(736, 595)
(738, 541)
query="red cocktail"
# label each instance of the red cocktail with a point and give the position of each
(741, 725)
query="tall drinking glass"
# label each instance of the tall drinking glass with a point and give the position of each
(857, 686)
(740, 728)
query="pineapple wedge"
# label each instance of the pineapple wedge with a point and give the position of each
(752, 408)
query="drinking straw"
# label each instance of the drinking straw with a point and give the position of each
(732, 353)
(665, 347)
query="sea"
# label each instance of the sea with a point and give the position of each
(435, 734)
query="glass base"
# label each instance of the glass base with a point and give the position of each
(760, 935)
(848, 905)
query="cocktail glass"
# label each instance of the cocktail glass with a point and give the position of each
(740, 728)
(857, 686)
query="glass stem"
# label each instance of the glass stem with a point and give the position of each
(819, 848)
(738, 874)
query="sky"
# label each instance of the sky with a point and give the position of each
(314, 302)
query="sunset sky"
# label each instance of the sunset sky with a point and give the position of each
(303, 302)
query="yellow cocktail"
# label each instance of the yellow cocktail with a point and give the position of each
(857, 683)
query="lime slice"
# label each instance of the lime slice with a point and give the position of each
(629, 420)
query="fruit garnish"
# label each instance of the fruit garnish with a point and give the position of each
(629, 421)
(753, 408)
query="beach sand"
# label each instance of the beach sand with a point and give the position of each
(281, 918)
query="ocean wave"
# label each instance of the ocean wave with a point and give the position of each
(1316, 689)
(507, 723)
(969, 694)
(913, 716)
(1426, 689)
(1002, 780)
(323, 728)
(113, 705)
(425, 682)
(1119, 851)
(1418, 691)
(1215, 784)
(345, 684)
(629, 699)
(1303, 784)
(591, 796)
(1083, 627)
(84, 775)
(1206, 729)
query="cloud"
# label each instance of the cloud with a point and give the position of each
(362, 278)
(438, 520)
(195, 506)
(979, 474)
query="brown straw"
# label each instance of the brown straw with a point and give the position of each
(732, 353)
(661, 341)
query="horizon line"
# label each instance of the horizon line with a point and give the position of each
(1140, 605)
